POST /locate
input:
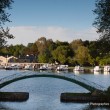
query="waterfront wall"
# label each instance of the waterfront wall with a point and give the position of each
(83, 98)
(14, 96)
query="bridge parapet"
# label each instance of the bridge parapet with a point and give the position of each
(70, 77)
(84, 80)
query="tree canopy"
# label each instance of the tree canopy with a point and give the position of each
(77, 52)
(102, 23)
(4, 17)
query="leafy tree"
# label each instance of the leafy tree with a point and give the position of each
(82, 55)
(34, 49)
(51, 45)
(4, 51)
(59, 43)
(16, 50)
(19, 50)
(102, 23)
(44, 58)
(86, 43)
(45, 48)
(104, 61)
(61, 54)
(29, 45)
(31, 49)
(76, 43)
(4, 17)
(94, 49)
(41, 44)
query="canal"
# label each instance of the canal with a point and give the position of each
(45, 92)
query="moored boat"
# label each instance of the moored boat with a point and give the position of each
(78, 68)
(29, 67)
(62, 68)
(12, 67)
(106, 68)
(97, 69)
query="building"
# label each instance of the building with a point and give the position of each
(4, 60)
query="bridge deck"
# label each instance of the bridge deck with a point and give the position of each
(91, 86)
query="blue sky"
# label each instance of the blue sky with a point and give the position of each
(63, 20)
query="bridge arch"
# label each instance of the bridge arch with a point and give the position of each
(86, 86)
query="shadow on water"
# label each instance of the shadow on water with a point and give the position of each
(87, 107)
(93, 107)
(4, 107)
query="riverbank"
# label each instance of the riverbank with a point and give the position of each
(85, 98)
(86, 69)
(14, 96)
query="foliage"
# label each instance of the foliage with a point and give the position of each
(61, 53)
(75, 44)
(102, 23)
(82, 55)
(43, 58)
(31, 49)
(104, 61)
(46, 51)
(4, 17)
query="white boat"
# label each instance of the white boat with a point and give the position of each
(97, 69)
(46, 67)
(43, 67)
(62, 68)
(106, 68)
(28, 67)
(78, 68)
(12, 67)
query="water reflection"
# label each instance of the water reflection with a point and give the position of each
(66, 71)
(93, 107)
(106, 73)
(78, 72)
(96, 73)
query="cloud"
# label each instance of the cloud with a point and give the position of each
(29, 34)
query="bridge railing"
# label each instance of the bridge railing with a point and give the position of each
(72, 76)
(83, 80)
(17, 75)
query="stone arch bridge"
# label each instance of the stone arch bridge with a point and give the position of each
(90, 86)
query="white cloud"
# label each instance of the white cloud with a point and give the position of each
(29, 34)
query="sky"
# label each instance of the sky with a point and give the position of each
(63, 20)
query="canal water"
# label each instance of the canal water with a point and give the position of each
(44, 93)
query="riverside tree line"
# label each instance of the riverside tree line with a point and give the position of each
(77, 52)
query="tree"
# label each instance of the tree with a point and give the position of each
(44, 58)
(102, 22)
(62, 53)
(41, 44)
(76, 43)
(4, 17)
(82, 55)
(31, 49)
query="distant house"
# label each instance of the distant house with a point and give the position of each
(27, 59)
(12, 59)
(4, 60)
